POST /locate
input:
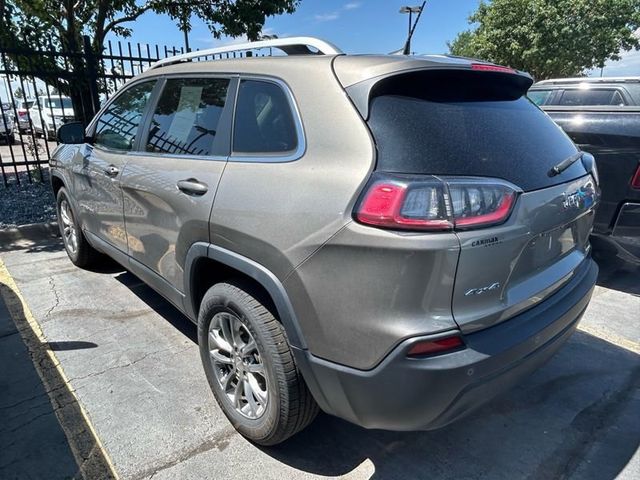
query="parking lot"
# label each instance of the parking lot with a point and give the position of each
(23, 149)
(131, 396)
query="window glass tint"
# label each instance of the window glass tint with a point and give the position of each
(263, 121)
(539, 97)
(118, 125)
(510, 139)
(591, 97)
(186, 118)
(59, 102)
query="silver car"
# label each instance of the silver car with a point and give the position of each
(393, 240)
(7, 131)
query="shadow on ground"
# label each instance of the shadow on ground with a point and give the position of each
(574, 418)
(43, 433)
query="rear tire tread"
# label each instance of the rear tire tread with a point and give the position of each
(297, 407)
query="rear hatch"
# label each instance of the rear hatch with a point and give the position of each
(460, 123)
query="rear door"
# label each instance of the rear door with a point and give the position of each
(170, 183)
(457, 124)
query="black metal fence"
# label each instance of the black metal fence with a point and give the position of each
(47, 87)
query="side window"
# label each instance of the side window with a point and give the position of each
(539, 97)
(263, 120)
(117, 127)
(186, 118)
(591, 97)
(618, 100)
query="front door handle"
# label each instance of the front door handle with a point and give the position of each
(111, 171)
(192, 186)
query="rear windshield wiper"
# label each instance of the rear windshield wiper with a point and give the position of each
(563, 165)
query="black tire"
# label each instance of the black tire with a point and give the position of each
(12, 140)
(84, 254)
(290, 406)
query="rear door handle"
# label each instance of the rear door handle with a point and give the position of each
(192, 186)
(111, 171)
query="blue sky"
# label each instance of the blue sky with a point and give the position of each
(356, 26)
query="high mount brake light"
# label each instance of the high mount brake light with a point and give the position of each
(483, 67)
(432, 204)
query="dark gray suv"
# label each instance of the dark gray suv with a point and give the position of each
(391, 239)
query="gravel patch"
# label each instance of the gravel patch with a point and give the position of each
(28, 202)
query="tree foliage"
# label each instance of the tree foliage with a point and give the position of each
(61, 25)
(33, 22)
(551, 38)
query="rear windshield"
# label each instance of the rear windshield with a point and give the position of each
(59, 102)
(443, 128)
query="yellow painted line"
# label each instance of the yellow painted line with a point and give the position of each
(611, 338)
(21, 314)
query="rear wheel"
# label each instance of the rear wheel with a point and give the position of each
(250, 366)
(80, 252)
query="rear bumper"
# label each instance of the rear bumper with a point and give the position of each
(423, 394)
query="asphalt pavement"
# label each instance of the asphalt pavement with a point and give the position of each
(128, 367)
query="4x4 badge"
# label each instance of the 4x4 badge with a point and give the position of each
(481, 290)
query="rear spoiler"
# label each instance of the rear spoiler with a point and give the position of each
(500, 82)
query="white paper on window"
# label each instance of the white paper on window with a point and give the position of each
(185, 118)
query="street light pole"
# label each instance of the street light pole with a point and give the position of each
(412, 27)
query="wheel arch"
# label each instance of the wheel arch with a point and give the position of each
(207, 264)
(57, 182)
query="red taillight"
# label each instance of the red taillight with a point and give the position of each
(385, 203)
(429, 203)
(22, 113)
(432, 347)
(483, 67)
(635, 181)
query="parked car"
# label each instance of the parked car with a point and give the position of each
(394, 240)
(602, 116)
(24, 120)
(7, 133)
(49, 113)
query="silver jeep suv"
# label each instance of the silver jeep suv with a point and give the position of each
(391, 239)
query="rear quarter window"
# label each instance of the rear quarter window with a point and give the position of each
(264, 122)
(540, 97)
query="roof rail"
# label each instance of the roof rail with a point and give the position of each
(290, 46)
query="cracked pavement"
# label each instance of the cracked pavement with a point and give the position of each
(134, 366)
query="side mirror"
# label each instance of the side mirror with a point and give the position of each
(71, 133)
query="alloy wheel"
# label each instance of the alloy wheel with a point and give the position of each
(69, 231)
(238, 365)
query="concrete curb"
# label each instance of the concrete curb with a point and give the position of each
(32, 233)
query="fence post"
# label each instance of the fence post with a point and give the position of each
(92, 74)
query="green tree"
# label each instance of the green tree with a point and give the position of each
(29, 24)
(551, 38)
